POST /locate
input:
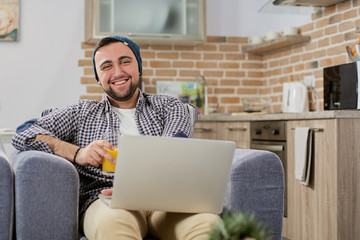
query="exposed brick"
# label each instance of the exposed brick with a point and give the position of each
(85, 62)
(213, 56)
(237, 39)
(215, 73)
(247, 90)
(162, 72)
(234, 56)
(183, 64)
(192, 56)
(323, 43)
(235, 74)
(159, 64)
(161, 47)
(350, 14)
(340, 59)
(147, 72)
(229, 100)
(256, 74)
(252, 82)
(321, 23)
(147, 54)
(87, 46)
(325, 62)
(229, 65)
(94, 89)
(206, 47)
(88, 80)
(336, 18)
(206, 65)
(229, 82)
(252, 65)
(299, 67)
(219, 90)
(343, 6)
(329, 10)
(344, 26)
(307, 28)
(188, 73)
(167, 55)
(229, 48)
(88, 71)
(215, 39)
(184, 48)
(353, 36)
(337, 39)
(88, 53)
(331, 30)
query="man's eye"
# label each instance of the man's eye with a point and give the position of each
(105, 67)
(124, 62)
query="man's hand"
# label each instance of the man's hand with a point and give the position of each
(94, 153)
(107, 192)
(91, 154)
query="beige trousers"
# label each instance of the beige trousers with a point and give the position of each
(102, 222)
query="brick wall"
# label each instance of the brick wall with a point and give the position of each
(232, 75)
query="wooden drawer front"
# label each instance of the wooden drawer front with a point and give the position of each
(234, 131)
(205, 130)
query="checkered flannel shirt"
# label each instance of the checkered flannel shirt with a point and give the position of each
(82, 123)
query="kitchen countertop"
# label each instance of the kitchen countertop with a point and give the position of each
(280, 116)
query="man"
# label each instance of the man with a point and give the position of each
(77, 134)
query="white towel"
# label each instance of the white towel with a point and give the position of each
(303, 153)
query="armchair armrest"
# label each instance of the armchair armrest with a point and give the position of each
(46, 196)
(257, 186)
(6, 197)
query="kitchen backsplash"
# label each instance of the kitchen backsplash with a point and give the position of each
(232, 75)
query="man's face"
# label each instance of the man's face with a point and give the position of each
(117, 70)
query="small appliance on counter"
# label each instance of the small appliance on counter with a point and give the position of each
(295, 97)
(341, 86)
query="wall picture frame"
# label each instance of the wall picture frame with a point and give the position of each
(9, 20)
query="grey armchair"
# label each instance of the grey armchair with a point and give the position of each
(46, 188)
(6, 196)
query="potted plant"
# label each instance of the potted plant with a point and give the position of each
(239, 226)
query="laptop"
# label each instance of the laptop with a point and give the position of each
(171, 174)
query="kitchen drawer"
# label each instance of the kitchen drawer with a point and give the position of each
(205, 130)
(234, 131)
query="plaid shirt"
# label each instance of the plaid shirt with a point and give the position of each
(82, 123)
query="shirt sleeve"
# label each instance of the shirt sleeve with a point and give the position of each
(59, 124)
(177, 119)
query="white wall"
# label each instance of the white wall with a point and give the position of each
(41, 70)
(241, 18)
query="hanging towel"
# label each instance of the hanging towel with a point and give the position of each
(303, 153)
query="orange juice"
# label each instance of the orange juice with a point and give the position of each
(108, 166)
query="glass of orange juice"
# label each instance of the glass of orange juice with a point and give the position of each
(110, 136)
(108, 166)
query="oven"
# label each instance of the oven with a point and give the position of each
(271, 136)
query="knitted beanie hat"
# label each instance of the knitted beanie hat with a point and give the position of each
(133, 46)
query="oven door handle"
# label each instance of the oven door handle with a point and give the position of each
(274, 148)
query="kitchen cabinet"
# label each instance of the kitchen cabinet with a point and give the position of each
(146, 22)
(279, 43)
(329, 208)
(239, 132)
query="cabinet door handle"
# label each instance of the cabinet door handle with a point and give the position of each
(202, 129)
(241, 129)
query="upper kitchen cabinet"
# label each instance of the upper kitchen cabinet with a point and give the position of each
(178, 22)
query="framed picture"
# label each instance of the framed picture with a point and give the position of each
(186, 92)
(9, 20)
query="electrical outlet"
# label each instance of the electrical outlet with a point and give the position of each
(309, 81)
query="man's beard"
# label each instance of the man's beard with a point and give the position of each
(122, 96)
